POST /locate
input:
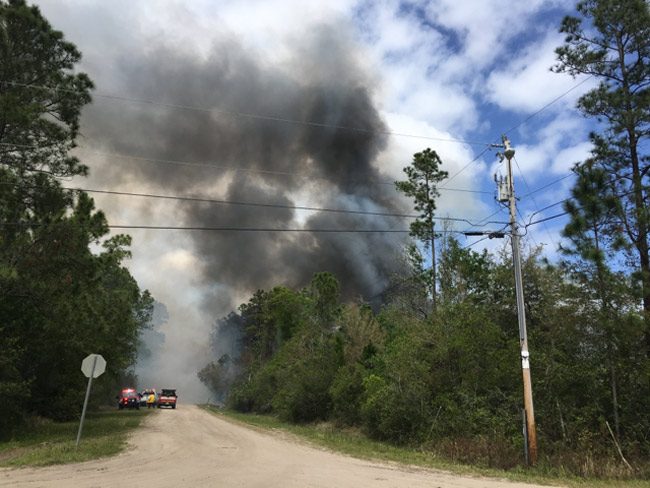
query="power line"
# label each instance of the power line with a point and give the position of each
(214, 165)
(614, 180)
(555, 100)
(482, 223)
(246, 229)
(441, 187)
(267, 205)
(261, 229)
(485, 219)
(523, 178)
(565, 213)
(554, 182)
(310, 123)
(277, 206)
(547, 207)
(475, 242)
(546, 219)
(531, 236)
(250, 115)
(321, 125)
(246, 204)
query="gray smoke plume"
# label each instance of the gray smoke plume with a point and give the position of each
(323, 85)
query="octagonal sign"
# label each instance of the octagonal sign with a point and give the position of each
(94, 365)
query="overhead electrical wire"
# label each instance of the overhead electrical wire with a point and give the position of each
(554, 182)
(261, 229)
(313, 124)
(211, 165)
(214, 165)
(269, 205)
(491, 215)
(547, 207)
(546, 219)
(442, 187)
(552, 217)
(564, 213)
(546, 106)
(247, 229)
(535, 205)
(475, 242)
(552, 102)
(614, 180)
(245, 204)
(250, 115)
(278, 206)
(572, 173)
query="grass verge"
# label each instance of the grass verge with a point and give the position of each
(47, 442)
(354, 443)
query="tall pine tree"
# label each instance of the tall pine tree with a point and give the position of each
(611, 42)
(424, 174)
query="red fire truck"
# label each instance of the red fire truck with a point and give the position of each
(167, 398)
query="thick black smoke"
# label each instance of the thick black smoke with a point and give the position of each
(333, 167)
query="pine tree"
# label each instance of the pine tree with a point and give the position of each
(424, 174)
(611, 42)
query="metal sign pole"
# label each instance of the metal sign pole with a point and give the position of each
(83, 412)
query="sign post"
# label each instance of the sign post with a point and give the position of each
(92, 366)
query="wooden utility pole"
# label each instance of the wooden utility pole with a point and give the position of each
(530, 434)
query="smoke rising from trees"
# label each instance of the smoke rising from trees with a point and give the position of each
(332, 167)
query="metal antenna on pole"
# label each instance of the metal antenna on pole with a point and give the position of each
(507, 193)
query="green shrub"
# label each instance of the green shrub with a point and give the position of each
(346, 392)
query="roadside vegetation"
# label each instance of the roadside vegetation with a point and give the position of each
(44, 442)
(354, 443)
(64, 289)
(448, 384)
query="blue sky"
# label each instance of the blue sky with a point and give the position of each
(439, 71)
(487, 63)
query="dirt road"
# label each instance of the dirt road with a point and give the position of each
(189, 447)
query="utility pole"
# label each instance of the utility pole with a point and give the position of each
(507, 194)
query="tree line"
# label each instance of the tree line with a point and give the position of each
(64, 290)
(451, 381)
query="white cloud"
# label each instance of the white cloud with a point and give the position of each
(415, 63)
(567, 158)
(454, 157)
(485, 26)
(526, 83)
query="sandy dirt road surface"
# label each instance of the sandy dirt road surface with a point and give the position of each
(189, 447)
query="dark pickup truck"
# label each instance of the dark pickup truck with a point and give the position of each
(167, 398)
